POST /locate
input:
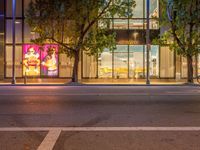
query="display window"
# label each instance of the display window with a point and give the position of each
(40, 60)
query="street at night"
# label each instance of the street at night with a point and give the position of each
(100, 117)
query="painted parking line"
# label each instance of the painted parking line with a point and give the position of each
(91, 129)
(50, 140)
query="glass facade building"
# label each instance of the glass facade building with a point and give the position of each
(128, 61)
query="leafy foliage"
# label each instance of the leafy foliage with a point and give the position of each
(71, 22)
(184, 27)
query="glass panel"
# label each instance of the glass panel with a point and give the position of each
(138, 10)
(136, 24)
(8, 31)
(167, 67)
(178, 67)
(18, 8)
(31, 60)
(154, 9)
(18, 34)
(198, 65)
(121, 61)
(49, 60)
(136, 59)
(184, 67)
(18, 30)
(154, 61)
(18, 61)
(120, 23)
(105, 64)
(89, 66)
(65, 66)
(9, 61)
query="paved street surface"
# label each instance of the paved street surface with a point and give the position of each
(99, 117)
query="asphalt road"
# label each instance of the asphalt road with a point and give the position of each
(103, 106)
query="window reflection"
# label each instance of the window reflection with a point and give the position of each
(105, 64)
(121, 61)
(154, 9)
(154, 61)
(138, 10)
(167, 63)
(136, 59)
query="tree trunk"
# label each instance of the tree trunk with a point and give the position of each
(75, 68)
(190, 69)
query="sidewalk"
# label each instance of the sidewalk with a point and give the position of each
(98, 84)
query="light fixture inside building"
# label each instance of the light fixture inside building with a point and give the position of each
(17, 22)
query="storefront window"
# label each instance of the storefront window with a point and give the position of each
(9, 62)
(198, 67)
(136, 61)
(31, 60)
(44, 59)
(89, 66)
(154, 61)
(184, 67)
(105, 64)
(121, 61)
(167, 66)
(18, 61)
(65, 66)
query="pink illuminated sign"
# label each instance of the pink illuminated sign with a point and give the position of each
(40, 60)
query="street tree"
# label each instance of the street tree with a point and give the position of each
(76, 25)
(182, 18)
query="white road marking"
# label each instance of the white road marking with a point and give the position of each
(50, 140)
(93, 129)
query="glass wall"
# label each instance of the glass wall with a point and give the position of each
(184, 67)
(136, 61)
(121, 61)
(198, 66)
(105, 64)
(167, 65)
(89, 66)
